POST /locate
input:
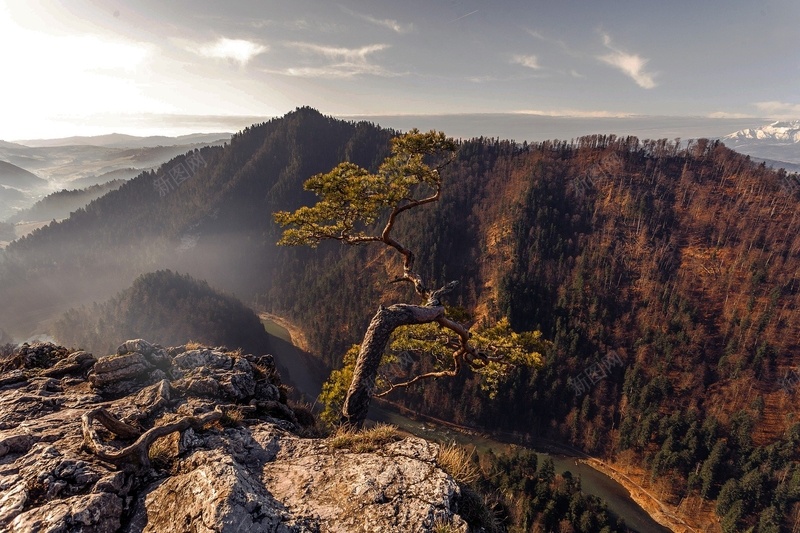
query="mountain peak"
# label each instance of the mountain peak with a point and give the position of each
(780, 131)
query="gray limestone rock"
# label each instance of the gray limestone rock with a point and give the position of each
(118, 369)
(135, 345)
(245, 472)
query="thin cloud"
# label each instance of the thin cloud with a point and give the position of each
(573, 113)
(342, 62)
(631, 65)
(392, 24)
(535, 34)
(338, 52)
(337, 70)
(298, 25)
(238, 50)
(782, 110)
(725, 114)
(529, 61)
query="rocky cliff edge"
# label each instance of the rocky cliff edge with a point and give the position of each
(194, 439)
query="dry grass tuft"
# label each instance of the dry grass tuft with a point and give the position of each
(457, 462)
(194, 345)
(232, 417)
(164, 451)
(443, 526)
(366, 440)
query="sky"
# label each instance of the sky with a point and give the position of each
(84, 67)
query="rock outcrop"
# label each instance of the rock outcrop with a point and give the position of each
(192, 439)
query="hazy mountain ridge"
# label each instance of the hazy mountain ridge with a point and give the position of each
(16, 187)
(228, 199)
(63, 165)
(168, 306)
(123, 174)
(14, 176)
(119, 140)
(60, 204)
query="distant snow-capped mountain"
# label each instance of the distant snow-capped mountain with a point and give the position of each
(777, 132)
(778, 143)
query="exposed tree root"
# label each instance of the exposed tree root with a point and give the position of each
(138, 452)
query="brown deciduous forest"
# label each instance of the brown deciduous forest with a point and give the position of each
(677, 261)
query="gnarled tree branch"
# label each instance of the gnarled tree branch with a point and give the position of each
(428, 375)
(408, 255)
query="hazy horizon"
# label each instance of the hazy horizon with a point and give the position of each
(516, 126)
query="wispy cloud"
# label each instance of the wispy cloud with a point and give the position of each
(238, 50)
(573, 113)
(342, 62)
(725, 114)
(299, 24)
(529, 61)
(782, 110)
(631, 65)
(565, 48)
(535, 34)
(395, 26)
(338, 52)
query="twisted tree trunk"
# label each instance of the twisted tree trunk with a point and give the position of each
(385, 321)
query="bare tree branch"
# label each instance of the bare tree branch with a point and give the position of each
(439, 374)
(408, 255)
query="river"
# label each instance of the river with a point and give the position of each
(617, 497)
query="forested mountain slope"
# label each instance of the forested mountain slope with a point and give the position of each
(677, 266)
(211, 218)
(14, 176)
(169, 308)
(61, 203)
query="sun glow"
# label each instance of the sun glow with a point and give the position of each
(47, 76)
